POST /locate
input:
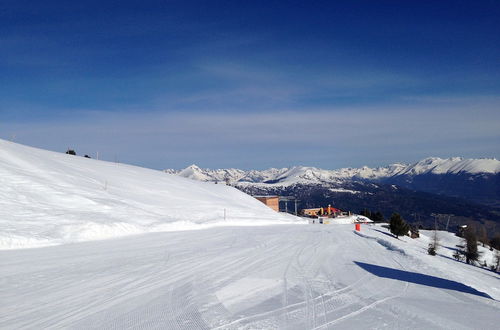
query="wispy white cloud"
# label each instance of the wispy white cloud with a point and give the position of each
(247, 86)
(344, 137)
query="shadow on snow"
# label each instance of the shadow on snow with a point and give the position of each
(418, 278)
(383, 232)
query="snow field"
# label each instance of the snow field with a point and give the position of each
(263, 277)
(230, 274)
(49, 198)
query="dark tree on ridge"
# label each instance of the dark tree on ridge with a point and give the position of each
(471, 253)
(398, 226)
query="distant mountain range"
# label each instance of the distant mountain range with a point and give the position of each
(467, 188)
(476, 180)
(303, 174)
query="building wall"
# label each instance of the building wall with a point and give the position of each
(311, 212)
(272, 202)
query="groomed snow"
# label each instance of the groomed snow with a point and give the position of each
(256, 277)
(49, 198)
(233, 274)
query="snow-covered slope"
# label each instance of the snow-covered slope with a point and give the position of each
(304, 174)
(49, 198)
(221, 175)
(453, 165)
(272, 277)
(224, 276)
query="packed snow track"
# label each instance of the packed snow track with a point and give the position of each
(265, 277)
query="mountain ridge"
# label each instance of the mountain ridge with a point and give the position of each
(472, 180)
(305, 174)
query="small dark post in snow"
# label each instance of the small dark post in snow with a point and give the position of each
(448, 222)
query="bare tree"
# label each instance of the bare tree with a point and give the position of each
(483, 235)
(434, 244)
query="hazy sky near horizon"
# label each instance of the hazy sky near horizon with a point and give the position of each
(252, 84)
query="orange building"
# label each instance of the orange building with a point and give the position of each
(271, 201)
(322, 211)
(311, 212)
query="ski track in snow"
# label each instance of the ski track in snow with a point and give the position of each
(228, 274)
(209, 279)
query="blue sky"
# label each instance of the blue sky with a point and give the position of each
(252, 84)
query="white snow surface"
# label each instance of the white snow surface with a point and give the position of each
(49, 198)
(233, 274)
(350, 219)
(343, 190)
(453, 165)
(254, 277)
(342, 220)
(306, 174)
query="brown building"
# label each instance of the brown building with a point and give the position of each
(320, 211)
(271, 201)
(311, 212)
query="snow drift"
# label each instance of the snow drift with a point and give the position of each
(49, 198)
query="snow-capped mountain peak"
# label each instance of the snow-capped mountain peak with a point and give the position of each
(194, 172)
(313, 175)
(453, 165)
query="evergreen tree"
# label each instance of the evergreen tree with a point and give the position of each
(471, 253)
(398, 226)
(495, 242)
